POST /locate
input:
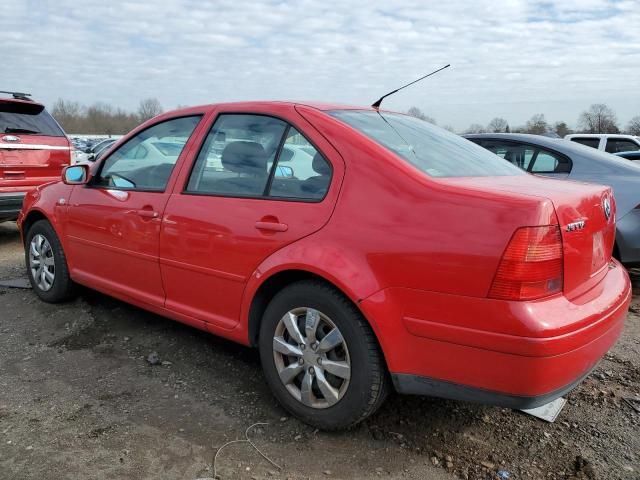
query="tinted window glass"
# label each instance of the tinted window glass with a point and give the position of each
(27, 119)
(140, 163)
(615, 145)
(546, 162)
(432, 150)
(301, 171)
(589, 142)
(236, 155)
(529, 157)
(518, 155)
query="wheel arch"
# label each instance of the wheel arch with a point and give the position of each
(32, 217)
(269, 287)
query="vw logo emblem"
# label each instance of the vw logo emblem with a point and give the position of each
(606, 207)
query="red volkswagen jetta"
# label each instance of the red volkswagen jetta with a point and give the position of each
(357, 249)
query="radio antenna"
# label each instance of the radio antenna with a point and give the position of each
(376, 104)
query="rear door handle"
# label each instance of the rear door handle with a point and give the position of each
(147, 213)
(272, 226)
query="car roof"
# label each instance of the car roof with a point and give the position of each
(600, 135)
(248, 105)
(561, 145)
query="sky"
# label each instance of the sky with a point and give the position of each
(509, 58)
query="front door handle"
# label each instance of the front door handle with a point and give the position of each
(272, 226)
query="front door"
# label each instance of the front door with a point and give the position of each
(114, 222)
(257, 185)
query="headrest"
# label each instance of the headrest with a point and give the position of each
(245, 157)
(320, 165)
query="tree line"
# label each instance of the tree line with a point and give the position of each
(598, 118)
(101, 118)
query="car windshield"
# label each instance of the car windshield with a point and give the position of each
(26, 120)
(431, 149)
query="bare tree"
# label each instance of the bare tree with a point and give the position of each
(562, 129)
(99, 118)
(537, 124)
(598, 119)
(449, 128)
(476, 128)
(633, 128)
(149, 108)
(498, 125)
(416, 112)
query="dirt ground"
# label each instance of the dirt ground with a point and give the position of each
(79, 400)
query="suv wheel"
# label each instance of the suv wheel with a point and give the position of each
(47, 264)
(320, 356)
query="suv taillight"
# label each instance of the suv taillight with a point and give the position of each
(531, 266)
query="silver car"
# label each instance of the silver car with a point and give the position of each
(558, 158)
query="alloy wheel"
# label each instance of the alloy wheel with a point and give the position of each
(311, 357)
(41, 262)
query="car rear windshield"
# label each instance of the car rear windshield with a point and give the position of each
(27, 119)
(431, 149)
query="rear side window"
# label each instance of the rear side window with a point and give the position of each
(529, 157)
(615, 145)
(259, 156)
(236, 156)
(589, 142)
(433, 150)
(301, 171)
(25, 118)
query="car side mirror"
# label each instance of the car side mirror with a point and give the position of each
(76, 175)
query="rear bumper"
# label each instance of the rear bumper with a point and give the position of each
(515, 354)
(10, 205)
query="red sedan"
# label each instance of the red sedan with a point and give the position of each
(358, 249)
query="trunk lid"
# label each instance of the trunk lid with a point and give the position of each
(33, 147)
(586, 215)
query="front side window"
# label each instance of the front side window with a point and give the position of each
(433, 150)
(258, 156)
(145, 161)
(615, 145)
(589, 142)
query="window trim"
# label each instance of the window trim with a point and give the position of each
(536, 149)
(92, 183)
(276, 159)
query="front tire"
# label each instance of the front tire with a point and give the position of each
(46, 264)
(320, 357)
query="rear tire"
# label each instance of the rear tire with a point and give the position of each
(47, 264)
(330, 372)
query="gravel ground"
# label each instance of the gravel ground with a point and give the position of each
(78, 399)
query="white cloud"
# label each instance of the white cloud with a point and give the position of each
(510, 58)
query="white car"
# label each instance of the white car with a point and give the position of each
(609, 142)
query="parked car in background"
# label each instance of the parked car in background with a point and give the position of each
(611, 143)
(89, 153)
(376, 261)
(566, 159)
(631, 155)
(33, 150)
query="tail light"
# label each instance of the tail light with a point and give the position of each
(531, 266)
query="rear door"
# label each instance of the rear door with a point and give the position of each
(243, 200)
(33, 147)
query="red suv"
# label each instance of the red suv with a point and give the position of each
(33, 150)
(346, 244)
